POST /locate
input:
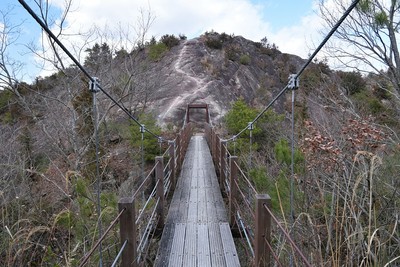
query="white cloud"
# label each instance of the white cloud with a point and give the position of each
(173, 17)
(192, 18)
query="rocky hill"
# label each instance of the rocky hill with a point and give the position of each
(218, 69)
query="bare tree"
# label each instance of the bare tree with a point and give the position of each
(49, 50)
(10, 68)
(367, 39)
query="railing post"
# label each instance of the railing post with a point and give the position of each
(213, 144)
(222, 172)
(178, 154)
(160, 190)
(262, 231)
(233, 190)
(172, 163)
(127, 231)
(217, 154)
(207, 132)
(185, 140)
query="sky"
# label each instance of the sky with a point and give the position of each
(293, 26)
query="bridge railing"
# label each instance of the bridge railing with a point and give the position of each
(249, 212)
(141, 215)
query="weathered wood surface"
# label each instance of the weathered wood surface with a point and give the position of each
(196, 231)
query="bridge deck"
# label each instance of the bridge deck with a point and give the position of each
(196, 231)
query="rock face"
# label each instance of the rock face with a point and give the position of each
(217, 69)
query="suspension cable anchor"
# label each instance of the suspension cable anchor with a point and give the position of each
(94, 85)
(293, 83)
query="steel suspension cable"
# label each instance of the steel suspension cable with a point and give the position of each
(79, 65)
(328, 36)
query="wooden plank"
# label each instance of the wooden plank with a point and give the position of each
(192, 206)
(231, 256)
(177, 249)
(203, 246)
(164, 251)
(189, 252)
(211, 210)
(192, 235)
(207, 179)
(202, 215)
(183, 202)
(216, 249)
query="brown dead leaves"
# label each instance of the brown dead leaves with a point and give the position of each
(328, 152)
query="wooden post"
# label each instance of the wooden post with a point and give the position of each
(172, 164)
(183, 144)
(217, 154)
(233, 190)
(207, 115)
(160, 190)
(262, 231)
(207, 133)
(187, 114)
(127, 231)
(178, 148)
(185, 140)
(222, 176)
(213, 144)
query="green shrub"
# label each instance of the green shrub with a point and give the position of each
(5, 98)
(352, 82)
(214, 43)
(383, 91)
(41, 162)
(7, 118)
(278, 189)
(150, 143)
(231, 52)
(239, 117)
(169, 40)
(156, 51)
(259, 177)
(244, 60)
(311, 79)
(225, 37)
(283, 154)
(367, 103)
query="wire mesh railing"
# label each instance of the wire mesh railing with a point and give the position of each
(249, 212)
(142, 215)
(292, 244)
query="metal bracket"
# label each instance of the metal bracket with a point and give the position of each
(293, 83)
(250, 126)
(94, 85)
(142, 128)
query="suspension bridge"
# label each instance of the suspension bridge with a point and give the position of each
(188, 187)
(196, 196)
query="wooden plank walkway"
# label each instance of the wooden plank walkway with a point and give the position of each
(196, 231)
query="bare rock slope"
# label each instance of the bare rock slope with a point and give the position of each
(217, 69)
